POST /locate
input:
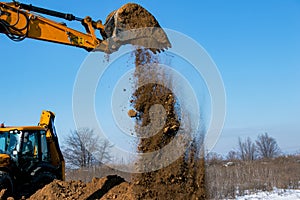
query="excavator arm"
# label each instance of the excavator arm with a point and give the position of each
(19, 21)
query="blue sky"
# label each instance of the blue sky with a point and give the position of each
(255, 44)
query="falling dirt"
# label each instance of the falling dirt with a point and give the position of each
(182, 179)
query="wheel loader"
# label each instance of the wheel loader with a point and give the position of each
(30, 156)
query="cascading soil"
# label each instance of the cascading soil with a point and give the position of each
(182, 179)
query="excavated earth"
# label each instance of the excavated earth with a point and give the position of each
(132, 24)
(110, 187)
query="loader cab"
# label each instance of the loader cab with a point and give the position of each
(34, 144)
(30, 156)
(24, 145)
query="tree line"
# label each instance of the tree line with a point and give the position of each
(264, 147)
(83, 149)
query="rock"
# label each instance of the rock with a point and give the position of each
(132, 113)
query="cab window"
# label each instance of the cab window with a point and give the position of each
(9, 141)
(3, 142)
(44, 147)
(30, 144)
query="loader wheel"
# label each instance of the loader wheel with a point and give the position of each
(41, 179)
(6, 183)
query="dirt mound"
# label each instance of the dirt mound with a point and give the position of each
(120, 192)
(95, 189)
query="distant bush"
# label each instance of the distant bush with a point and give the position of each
(267, 146)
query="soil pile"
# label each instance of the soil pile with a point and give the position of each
(96, 189)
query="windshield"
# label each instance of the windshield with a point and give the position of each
(9, 141)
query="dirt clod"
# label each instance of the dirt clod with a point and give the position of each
(132, 113)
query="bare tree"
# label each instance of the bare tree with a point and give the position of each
(247, 149)
(267, 146)
(82, 148)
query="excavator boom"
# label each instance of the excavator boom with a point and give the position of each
(18, 24)
(19, 21)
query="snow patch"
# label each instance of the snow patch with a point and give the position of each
(276, 194)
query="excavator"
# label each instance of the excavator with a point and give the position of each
(30, 155)
(130, 24)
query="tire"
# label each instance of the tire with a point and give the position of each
(6, 183)
(42, 178)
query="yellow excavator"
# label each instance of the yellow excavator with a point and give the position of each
(30, 155)
(130, 24)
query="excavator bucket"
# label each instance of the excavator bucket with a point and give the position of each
(133, 24)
